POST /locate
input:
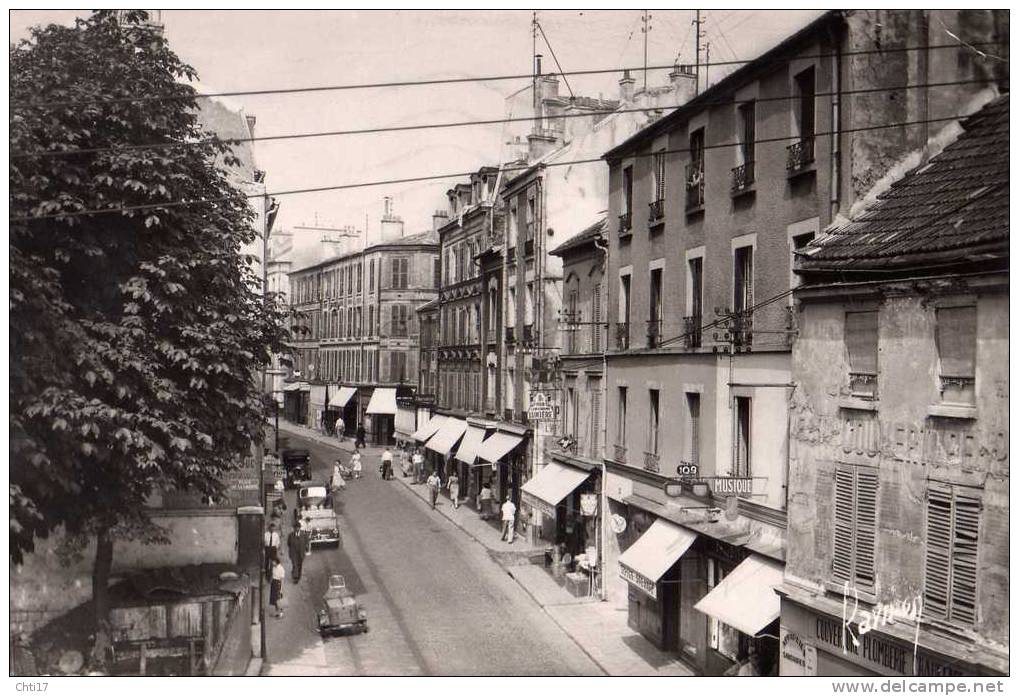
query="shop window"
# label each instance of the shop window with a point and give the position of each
(861, 345)
(957, 348)
(722, 638)
(950, 579)
(856, 491)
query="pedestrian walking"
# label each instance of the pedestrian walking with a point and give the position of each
(339, 429)
(278, 573)
(434, 483)
(387, 465)
(306, 533)
(271, 545)
(296, 547)
(359, 441)
(337, 483)
(419, 465)
(509, 513)
(453, 484)
(355, 463)
(485, 501)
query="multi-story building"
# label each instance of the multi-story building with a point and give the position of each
(356, 340)
(897, 553)
(707, 207)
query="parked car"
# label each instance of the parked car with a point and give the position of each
(315, 504)
(296, 464)
(340, 609)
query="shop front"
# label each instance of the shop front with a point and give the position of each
(439, 448)
(651, 568)
(566, 499)
(381, 416)
(344, 405)
(822, 636)
(472, 472)
(296, 398)
(504, 450)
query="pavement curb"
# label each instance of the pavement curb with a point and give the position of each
(254, 667)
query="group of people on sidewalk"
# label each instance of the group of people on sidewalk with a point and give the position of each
(508, 510)
(298, 547)
(359, 435)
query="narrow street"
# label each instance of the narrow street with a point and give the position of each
(437, 604)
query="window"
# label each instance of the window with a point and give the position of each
(371, 275)
(399, 268)
(856, 489)
(805, 114)
(861, 345)
(511, 307)
(371, 321)
(652, 429)
(571, 411)
(621, 426)
(693, 405)
(799, 242)
(437, 273)
(658, 171)
(743, 293)
(627, 203)
(654, 326)
(513, 224)
(741, 436)
(721, 637)
(529, 312)
(748, 134)
(596, 319)
(693, 328)
(957, 348)
(950, 578)
(594, 387)
(697, 151)
(397, 366)
(572, 320)
(529, 231)
(624, 312)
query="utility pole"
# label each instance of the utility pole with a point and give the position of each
(707, 63)
(646, 29)
(697, 38)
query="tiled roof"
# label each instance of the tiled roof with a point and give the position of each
(952, 210)
(587, 235)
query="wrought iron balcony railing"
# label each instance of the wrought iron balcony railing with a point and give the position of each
(528, 333)
(800, 155)
(510, 334)
(692, 331)
(742, 178)
(694, 186)
(623, 335)
(652, 462)
(654, 333)
(619, 453)
(657, 212)
(625, 224)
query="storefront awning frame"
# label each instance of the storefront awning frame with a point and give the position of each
(650, 557)
(429, 429)
(746, 597)
(546, 489)
(342, 397)
(447, 436)
(467, 452)
(498, 445)
(382, 402)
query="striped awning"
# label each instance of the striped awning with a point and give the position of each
(446, 438)
(430, 427)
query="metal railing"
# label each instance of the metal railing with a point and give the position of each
(694, 186)
(625, 223)
(528, 333)
(510, 334)
(657, 211)
(623, 335)
(654, 332)
(692, 331)
(742, 177)
(619, 453)
(652, 462)
(799, 155)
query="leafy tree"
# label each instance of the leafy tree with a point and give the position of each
(135, 335)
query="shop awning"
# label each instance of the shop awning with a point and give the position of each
(430, 427)
(340, 398)
(746, 598)
(446, 438)
(497, 445)
(297, 386)
(382, 403)
(469, 445)
(550, 485)
(643, 564)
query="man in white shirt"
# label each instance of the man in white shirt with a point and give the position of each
(418, 461)
(387, 465)
(509, 513)
(271, 544)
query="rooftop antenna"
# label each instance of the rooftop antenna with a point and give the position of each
(645, 30)
(697, 37)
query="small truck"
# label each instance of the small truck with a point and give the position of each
(340, 609)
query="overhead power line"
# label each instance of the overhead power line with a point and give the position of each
(462, 80)
(459, 124)
(450, 175)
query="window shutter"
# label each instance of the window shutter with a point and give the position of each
(956, 340)
(842, 555)
(964, 555)
(596, 318)
(866, 525)
(384, 365)
(861, 341)
(939, 544)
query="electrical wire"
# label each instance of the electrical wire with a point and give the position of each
(462, 80)
(451, 175)
(460, 124)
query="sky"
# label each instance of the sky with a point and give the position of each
(235, 50)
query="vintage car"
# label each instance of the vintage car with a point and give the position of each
(296, 463)
(340, 609)
(315, 506)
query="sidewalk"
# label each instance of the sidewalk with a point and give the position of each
(599, 628)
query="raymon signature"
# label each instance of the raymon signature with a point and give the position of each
(879, 615)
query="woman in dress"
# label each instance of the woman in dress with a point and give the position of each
(453, 484)
(276, 586)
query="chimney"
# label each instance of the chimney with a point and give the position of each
(683, 80)
(439, 218)
(391, 227)
(626, 87)
(251, 125)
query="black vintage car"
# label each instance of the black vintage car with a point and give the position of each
(296, 466)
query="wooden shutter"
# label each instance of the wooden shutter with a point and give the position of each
(937, 574)
(596, 318)
(966, 524)
(595, 388)
(866, 526)
(956, 340)
(842, 553)
(861, 342)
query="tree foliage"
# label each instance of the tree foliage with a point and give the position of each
(135, 336)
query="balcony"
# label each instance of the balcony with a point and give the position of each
(694, 187)
(742, 179)
(511, 334)
(692, 331)
(490, 336)
(800, 156)
(741, 332)
(652, 462)
(619, 453)
(623, 335)
(654, 333)
(625, 224)
(656, 215)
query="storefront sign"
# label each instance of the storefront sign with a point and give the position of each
(540, 410)
(645, 585)
(798, 658)
(537, 503)
(588, 504)
(732, 485)
(880, 651)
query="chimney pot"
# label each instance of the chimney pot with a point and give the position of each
(626, 87)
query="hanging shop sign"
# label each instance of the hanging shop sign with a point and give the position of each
(541, 410)
(588, 504)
